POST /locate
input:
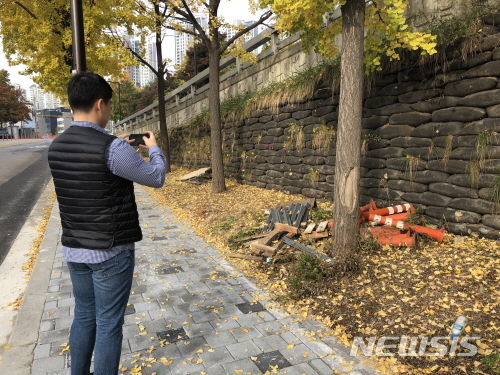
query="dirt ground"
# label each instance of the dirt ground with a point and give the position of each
(392, 291)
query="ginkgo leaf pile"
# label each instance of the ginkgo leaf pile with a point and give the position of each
(396, 291)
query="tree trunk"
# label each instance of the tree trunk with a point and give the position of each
(348, 147)
(218, 182)
(161, 103)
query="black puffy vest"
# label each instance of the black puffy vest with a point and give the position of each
(98, 209)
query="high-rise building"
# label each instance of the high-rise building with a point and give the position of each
(183, 40)
(141, 75)
(249, 35)
(42, 99)
(146, 74)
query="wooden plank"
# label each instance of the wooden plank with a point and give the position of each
(322, 226)
(316, 235)
(286, 228)
(269, 237)
(197, 173)
(266, 251)
(306, 249)
(242, 256)
(253, 237)
(261, 247)
(309, 228)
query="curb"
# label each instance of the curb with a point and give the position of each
(17, 360)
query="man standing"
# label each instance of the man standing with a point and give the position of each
(93, 174)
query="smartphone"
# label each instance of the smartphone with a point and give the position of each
(138, 139)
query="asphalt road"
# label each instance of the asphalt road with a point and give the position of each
(24, 172)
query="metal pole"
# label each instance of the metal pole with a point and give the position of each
(79, 60)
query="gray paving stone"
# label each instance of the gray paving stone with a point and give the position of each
(222, 325)
(66, 302)
(270, 343)
(321, 367)
(53, 336)
(199, 329)
(50, 305)
(217, 356)
(298, 354)
(138, 343)
(47, 365)
(190, 346)
(63, 322)
(47, 325)
(216, 340)
(204, 316)
(247, 365)
(245, 349)
(301, 369)
(41, 351)
(246, 333)
(146, 306)
(214, 370)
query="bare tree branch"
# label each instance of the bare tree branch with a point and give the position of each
(26, 9)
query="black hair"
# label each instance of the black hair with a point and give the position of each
(85, 88)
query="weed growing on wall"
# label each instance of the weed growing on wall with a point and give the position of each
(448, 147)
(312, 176)
(409, 165)
(295, 138)
(323, 137)
(295, 89)
(473, 169)
(483, 142)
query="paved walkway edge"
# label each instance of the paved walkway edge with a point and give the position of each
(18, 358)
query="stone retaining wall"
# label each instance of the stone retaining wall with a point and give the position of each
(431, 138)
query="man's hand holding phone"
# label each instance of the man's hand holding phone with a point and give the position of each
(145, 140)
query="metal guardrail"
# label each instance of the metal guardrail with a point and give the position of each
(190, 89)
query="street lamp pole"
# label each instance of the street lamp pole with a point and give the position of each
(79, 61)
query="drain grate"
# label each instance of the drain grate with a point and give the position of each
(248, 307)
(173, 335)
(265, 360)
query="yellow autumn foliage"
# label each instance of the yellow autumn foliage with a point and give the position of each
(386, 29)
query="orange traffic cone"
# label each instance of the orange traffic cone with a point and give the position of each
(437, 234)
(402, 216)
(397, 240)
(389, 210)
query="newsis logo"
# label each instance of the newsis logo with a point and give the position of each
(414, 346)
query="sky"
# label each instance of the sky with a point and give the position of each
(230, 9)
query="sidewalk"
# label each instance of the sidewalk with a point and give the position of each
(190, 312)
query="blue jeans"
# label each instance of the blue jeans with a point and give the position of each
(101, 294)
